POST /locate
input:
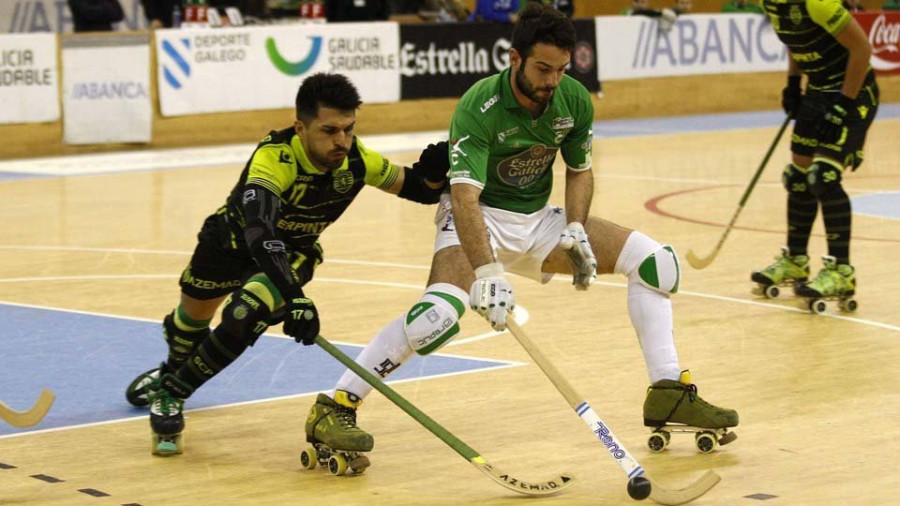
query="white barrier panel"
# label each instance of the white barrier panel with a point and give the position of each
(28, 78)
(203, 70)
(106, 89)
(634, 46)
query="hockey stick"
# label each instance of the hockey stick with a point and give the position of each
(701, 263)
(523, 487)
(628, 463)
(31, 417)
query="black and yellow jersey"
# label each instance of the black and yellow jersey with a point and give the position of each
(311, 200)
(808, 29)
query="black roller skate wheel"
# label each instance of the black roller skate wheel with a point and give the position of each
(706, 442)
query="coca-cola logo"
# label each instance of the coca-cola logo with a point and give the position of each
(885, 37)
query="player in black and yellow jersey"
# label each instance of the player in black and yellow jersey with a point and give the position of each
(261, 247)
(832, 118)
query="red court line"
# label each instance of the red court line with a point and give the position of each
(652, 205)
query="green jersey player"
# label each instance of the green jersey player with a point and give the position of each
(505, 135)
(258, 250)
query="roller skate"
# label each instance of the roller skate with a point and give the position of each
(166, 422)
(181, 345)
(786, 271)
(834, 282)
(674, 406)
(337, 443)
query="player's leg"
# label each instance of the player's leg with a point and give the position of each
(209, 277)
(826, 173)
(425, 327)
(653, 274)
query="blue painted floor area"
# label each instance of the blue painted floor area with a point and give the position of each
(705, 123)
(883, 205)
(88, 361)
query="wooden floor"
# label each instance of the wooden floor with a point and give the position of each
(817, 395)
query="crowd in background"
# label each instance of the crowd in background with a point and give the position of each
(99, 15)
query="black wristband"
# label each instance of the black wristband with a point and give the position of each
(794, 81)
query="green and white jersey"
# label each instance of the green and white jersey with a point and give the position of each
(498, 147)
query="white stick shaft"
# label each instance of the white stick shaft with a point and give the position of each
(609, 440)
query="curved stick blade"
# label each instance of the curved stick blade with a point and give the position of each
(31, 417)
(661, 495)
(549, 487)
(698, 262)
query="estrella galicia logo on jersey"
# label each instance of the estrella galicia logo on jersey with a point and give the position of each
(343, 180)
(294, 68)
(526, 167)
(456, 150)
(177, 70)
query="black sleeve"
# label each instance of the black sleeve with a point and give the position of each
(415, 189)
(261, 210)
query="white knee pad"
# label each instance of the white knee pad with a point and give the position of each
(434, 320)
(652, 264)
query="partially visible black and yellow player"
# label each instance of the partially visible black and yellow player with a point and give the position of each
(259, 250)
(832, 118)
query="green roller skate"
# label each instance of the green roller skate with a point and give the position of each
(834, 282)
(787, 270)
(337, 442)
(674, 406)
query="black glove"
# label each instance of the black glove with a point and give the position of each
(302, 320)
(434, 162)
(792, 96)
(831, 126)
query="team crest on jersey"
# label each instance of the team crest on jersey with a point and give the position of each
(506, 133)
(343, 180)
(563, 123)
(796, 15)
(526, 167)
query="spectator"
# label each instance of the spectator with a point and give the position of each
(742, 6)
(567, 7)
(95, 15)
(891, 5)
(357, 10)
(640, 7)
(159, 12)
(501, 11)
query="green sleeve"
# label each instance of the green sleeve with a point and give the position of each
(273, 167)
(576, 147)
(380, 172)
(829, 14)
(469, 148)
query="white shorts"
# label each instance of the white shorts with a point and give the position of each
(520, 241)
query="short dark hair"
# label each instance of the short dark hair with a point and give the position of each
(329, 90)
(542, 23)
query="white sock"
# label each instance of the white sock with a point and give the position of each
(650, 311)
(381, 357)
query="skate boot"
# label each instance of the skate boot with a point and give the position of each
(181, 345)
(674, 406)
(787, 270)
(336, 440)
(834, 282)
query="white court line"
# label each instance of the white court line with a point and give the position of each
(853, 319)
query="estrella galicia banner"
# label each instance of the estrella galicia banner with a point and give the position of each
(202, 70)
(444, 60)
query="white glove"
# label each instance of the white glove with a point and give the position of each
(574, 241)
(491, 295)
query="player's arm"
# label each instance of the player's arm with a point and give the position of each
(837, 21)
(792, 94)
(423, 183)
(470, 227)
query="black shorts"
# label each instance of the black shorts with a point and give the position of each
(805, 140)
(221, 264)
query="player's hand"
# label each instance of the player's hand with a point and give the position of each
(574, 241)
(834, 121)
(434, 162)
(792, 96)
(491, 295)
(302, 320)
